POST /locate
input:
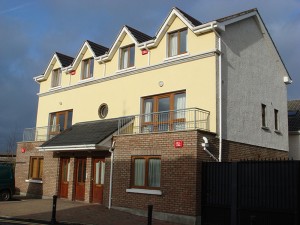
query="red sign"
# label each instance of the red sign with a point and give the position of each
(23, 150)
(178, 144)
(73, 72)
(144, 51)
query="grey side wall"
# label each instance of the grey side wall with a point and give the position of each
(251, 77)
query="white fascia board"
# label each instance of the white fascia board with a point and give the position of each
(163, 29)
(118, 42)
(70, 148)
(239, 18)
(203, 28)
(80, 54)
(48, 69)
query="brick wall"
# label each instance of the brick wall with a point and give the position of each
(50, 171)
(180, 168)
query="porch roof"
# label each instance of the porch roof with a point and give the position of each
(90, 135)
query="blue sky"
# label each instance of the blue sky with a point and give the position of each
(32, 30)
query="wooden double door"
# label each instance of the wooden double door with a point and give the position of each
(80, 177)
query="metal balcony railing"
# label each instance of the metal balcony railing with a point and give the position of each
(40, 133)
(175, 120)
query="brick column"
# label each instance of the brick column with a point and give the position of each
(71, 186)
(88, 180)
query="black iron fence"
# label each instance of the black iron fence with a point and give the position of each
(251, 193)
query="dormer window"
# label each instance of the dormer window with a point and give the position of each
(127, 57)
(177, 43)
(87, 68)
(56, 78)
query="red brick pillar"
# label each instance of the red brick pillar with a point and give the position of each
(88, 180)
(71, 187)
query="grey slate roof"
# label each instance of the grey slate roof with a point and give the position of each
(236, 15)
(92, 132)
(98, 49)
(294, 118)
(65, 60)
(139, 36)
(194, 21)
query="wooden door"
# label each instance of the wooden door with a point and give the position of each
(98, 180)
(80, 179)
(64, 177)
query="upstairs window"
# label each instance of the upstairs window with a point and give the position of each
(177, 43)
(56, 78)
(127, 57)
(59, 121)
(263, 115)
(87, 68)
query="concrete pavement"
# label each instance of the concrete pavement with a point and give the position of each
(70, 212)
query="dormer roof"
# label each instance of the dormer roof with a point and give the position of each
(97, 49)
(191, 19)
(64, 60)
(138, 35)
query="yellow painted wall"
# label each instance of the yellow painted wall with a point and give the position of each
(123, 95)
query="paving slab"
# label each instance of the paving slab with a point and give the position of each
(70, 212)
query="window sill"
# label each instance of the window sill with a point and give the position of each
(86, 80)
(34, 181)
(177, 57)
(126, 69)
(265, 128)
(144, 191)
(55, 88)
(277, 131)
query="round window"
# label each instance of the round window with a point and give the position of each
(103, 110)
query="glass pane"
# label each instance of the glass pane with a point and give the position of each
(102, 172)
(53, 123)
(70, 115)
(65, 171)
(173, 44)
(163, 105)
(61, 121)
(68, 177)
(148, 108)
(79, 172)
(124, 58)
(84, 171)
(139, 172)
(85, 69)
(154, 173)
(183, 35)
(91, 67)
(131, 56)
(97, 173)
(34, 168)
(179, 105)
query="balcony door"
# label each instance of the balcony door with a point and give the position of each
(59, 121)
(163, 112)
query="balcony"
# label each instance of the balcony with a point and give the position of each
(175, 120)
(40, 133)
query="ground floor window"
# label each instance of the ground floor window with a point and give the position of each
(146, 171)
(36, 167)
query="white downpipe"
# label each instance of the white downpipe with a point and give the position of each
(111, 150)
(220, 93)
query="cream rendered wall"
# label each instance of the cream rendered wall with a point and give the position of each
(123, 95)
